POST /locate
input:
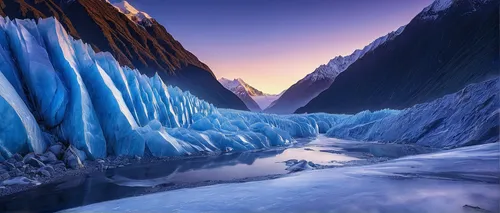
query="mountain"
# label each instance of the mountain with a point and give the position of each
(253, 98)
(316, 82)
(243, 91)
(134, 38)
(447, 46)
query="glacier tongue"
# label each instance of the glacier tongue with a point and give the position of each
(99, 108)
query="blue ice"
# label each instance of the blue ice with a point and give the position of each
(100, 108)
(19, 131)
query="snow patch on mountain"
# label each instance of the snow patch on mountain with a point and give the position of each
(432, 11)
(131, 12)
(439, 5)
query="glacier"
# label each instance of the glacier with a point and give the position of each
(52, 84)
(467, 117)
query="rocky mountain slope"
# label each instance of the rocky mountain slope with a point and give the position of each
(138, 43)
(316, 82)
(449, 45)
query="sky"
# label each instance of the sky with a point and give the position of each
(271, 44)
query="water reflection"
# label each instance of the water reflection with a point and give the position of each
(132, 180)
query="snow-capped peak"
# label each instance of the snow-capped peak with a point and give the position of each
(131, 12)
(237, 85)
(439, 5)
(432, 11)
(244, 90)
(340, 63)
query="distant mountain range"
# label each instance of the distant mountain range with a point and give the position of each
(316, 82)
(135, 40)
(447, 46)
(253, 98)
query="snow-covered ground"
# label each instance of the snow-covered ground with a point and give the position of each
(459, 180)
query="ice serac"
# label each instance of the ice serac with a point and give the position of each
(116, 73)
(7, 65)
(80, 126)
(117, 122)
(19, 131)
(47, 91)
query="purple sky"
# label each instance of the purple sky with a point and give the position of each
(272, 44)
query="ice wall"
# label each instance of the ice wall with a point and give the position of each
(80, 125)
(100, 108)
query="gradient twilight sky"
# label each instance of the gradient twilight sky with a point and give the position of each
(271, 44)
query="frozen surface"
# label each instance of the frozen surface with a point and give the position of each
(145, 178)
(439, 182)
(100, 108)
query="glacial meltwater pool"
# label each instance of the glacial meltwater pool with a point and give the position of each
(139, 179)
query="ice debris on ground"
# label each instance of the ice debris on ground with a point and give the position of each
(53, 85)
(296, 165)
(19, 181)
